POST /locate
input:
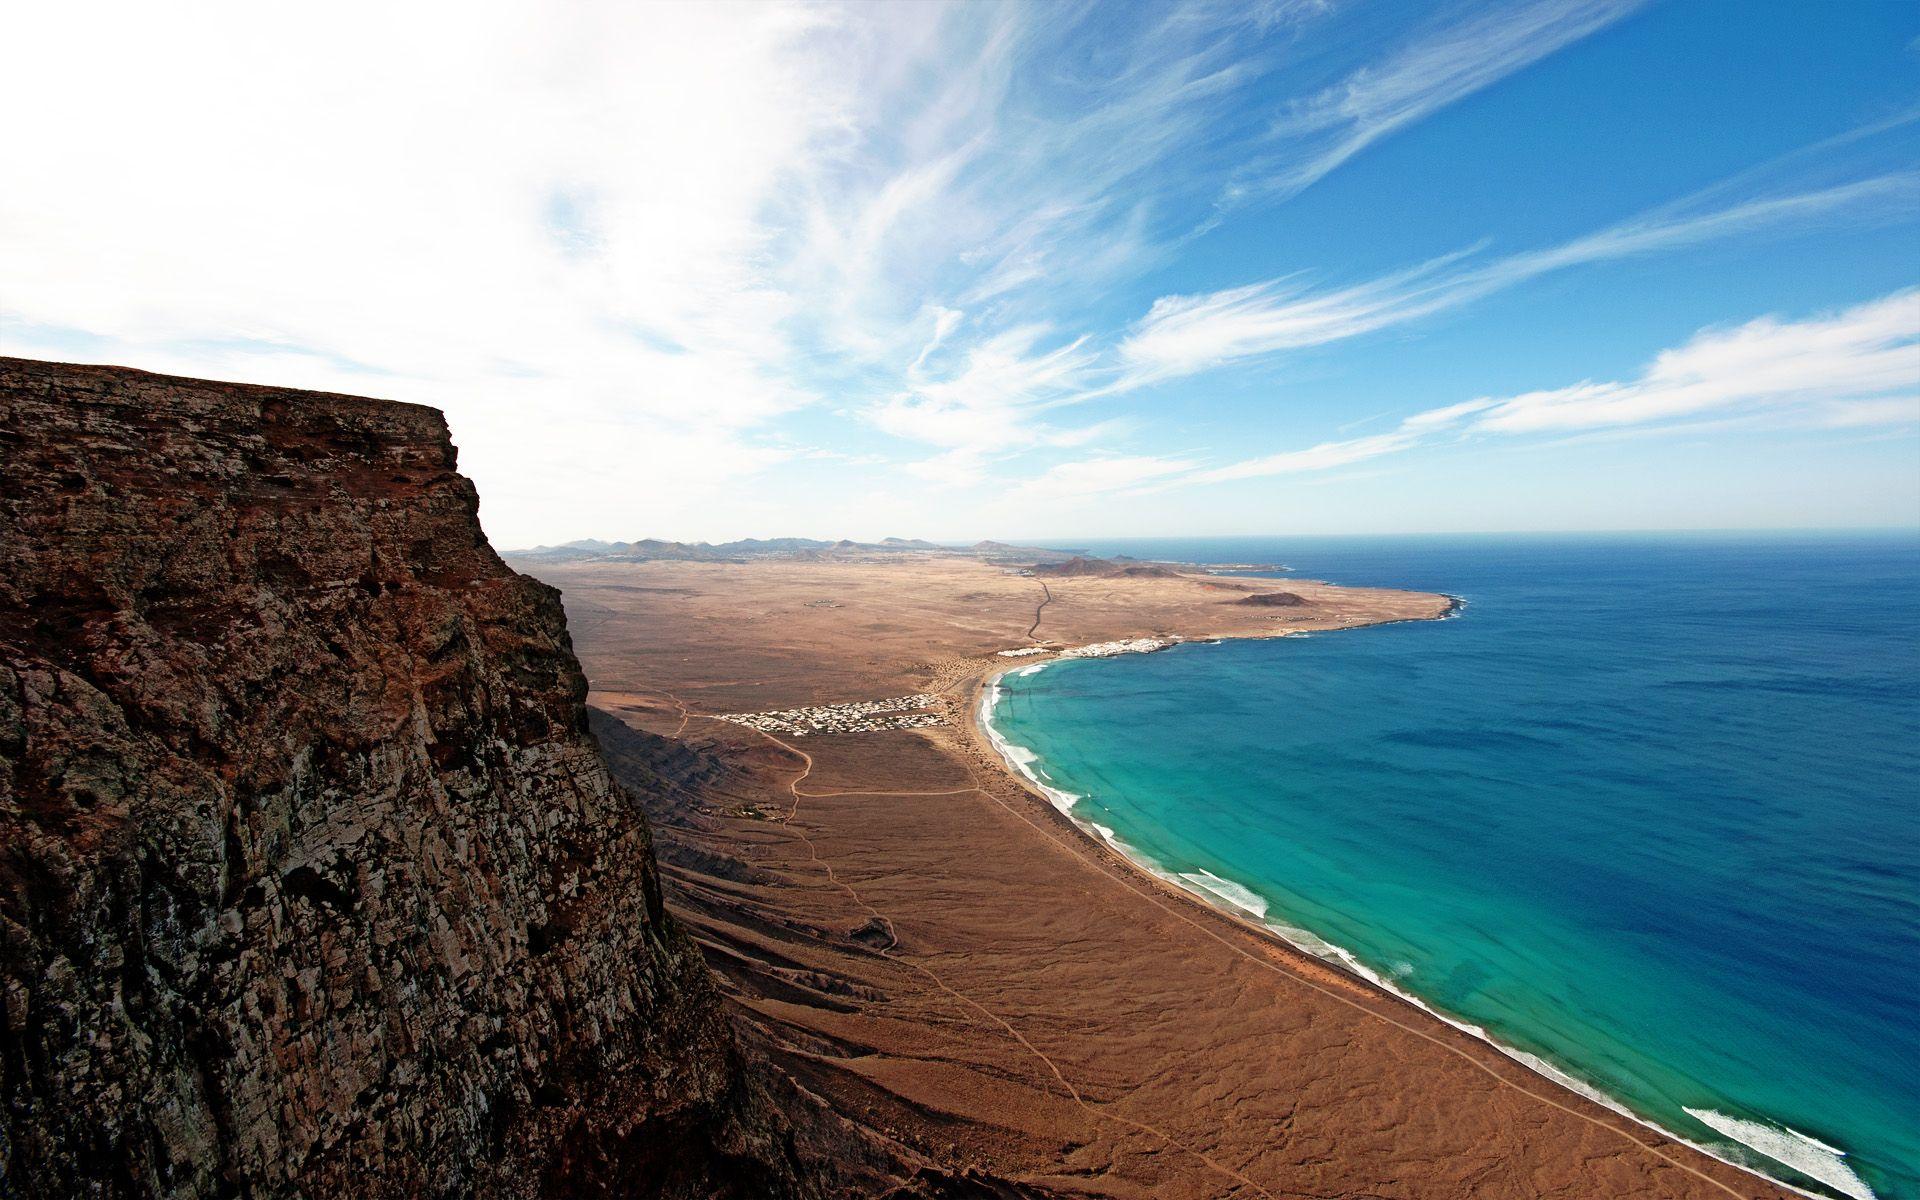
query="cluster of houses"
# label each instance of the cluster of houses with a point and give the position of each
(1096, 650)
(1109, 649)
(860, 716)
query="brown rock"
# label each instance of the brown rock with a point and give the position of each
(312, 880)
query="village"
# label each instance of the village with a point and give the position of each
(1145, 645)
(1110, 649)
(918, 711)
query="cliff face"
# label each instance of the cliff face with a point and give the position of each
(311, 879)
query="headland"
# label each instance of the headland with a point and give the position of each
(950, 954)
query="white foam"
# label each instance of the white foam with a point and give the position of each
(1021, 758)
(1319, 947)
(1035, 669)
(1238, 895)
(1816, 1154)
(1809, 1156)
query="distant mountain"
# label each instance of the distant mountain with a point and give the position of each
(646, 549)
(746, 549)
(1103, 568)
(768, 546)
(1003, 551)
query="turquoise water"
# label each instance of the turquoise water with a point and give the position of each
(1648, 808)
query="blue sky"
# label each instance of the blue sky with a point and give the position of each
(997, 270)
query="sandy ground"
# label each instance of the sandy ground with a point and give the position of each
(929, 945)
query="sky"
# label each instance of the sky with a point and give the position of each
(995, 270)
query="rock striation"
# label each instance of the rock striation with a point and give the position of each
(312, 879)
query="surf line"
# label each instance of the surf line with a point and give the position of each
(890, 952)
(1019, 758)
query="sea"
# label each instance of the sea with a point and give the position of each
(1644, 812)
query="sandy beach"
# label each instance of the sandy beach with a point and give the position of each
(921, 937)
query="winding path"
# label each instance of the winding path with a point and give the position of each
(1128, 878)
(1036, 610)
(890, 952)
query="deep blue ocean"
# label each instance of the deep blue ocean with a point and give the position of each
(1648, 808)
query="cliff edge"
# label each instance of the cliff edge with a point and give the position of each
(312, 879)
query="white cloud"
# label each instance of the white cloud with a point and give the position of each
(1183, 335)
(1323, 457)
(1440, 418)
(1881, 413)
(1003, 197)
(543, 220)
(1692, 221)
(631, 248)
(1090, 478)
(1439, 68)
(1856, 368)
(985, 170)
(1867, 355)
(989, 406)
(698, 215)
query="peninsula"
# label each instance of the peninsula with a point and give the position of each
(949, 951)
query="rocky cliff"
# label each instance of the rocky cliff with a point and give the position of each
(312, 879)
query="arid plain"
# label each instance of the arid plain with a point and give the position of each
(921, 939)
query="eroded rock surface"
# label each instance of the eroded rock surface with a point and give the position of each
(312, 880)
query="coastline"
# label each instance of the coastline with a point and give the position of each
(938, 942)
(1311, 953)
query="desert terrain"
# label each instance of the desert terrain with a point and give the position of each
(931, 947)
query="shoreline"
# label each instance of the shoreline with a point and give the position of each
(1043, 991)
(1100, 845)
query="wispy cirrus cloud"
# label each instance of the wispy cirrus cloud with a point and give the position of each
(1853, 369)
(1184, 335)
(989, 405)
(686, 222)
(1088, 478)
(999, 201)
(993, 152)
(1861, 363)
(545, 221)
(642, 254)
(1435, 68)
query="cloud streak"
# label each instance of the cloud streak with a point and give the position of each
(1184, 335)
(1028, 201)
(1853, 369)
(1423, 76)
(644, 254)
(547, 224)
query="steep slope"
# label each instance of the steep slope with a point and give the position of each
(312, 879)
